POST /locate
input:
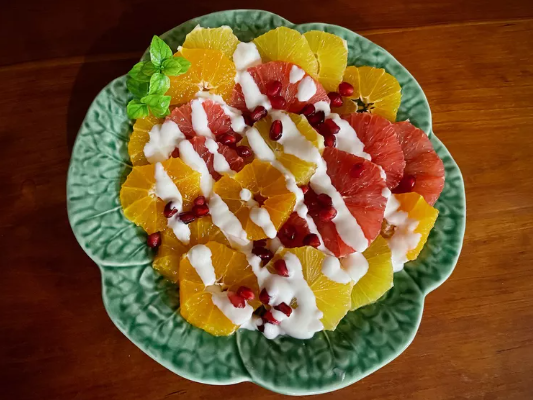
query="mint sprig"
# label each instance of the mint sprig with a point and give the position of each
(148, 81)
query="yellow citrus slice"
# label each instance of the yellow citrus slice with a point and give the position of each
(196, 300)
(332, 54)
(221, 38)
(378, 91)
(140, 137)
(267, 186)
(169, 253)
(140, 202)
(348, 107)
(210, 70)
(332, 298)
(284, 44)
(302, 170)
(378, 279)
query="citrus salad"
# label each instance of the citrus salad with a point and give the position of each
(274, 183)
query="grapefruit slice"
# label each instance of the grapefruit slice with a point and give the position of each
(235, 162)
(217, 120)
(422, 163)
(381, 142)
(332, 54)
(231, 271)
(140, 137)
(221, 38)
(264, 74)
(285, 44)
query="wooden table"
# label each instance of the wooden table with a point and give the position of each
(474, 60)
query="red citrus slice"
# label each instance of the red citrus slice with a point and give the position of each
(379, 137)
(280, 71)
(292, 233)
(235, 162)
(217, 121)
(422, 163)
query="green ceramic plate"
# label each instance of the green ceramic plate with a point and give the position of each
(145, 307)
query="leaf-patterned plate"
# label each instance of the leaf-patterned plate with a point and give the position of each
(145, 307)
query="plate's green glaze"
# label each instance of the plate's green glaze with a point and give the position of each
(144, 306)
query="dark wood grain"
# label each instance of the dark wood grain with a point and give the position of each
(475, 62)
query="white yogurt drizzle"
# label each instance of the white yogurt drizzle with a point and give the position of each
(227, 222)
(200, 258)
(200, 123)
(404, 238)
(347, 139)
(261, 218)
(163, 140)
(296, 74)
(238, 316)
(237, 121)
(220, 164)
(306, 89)
(348, 269)
(193, 160)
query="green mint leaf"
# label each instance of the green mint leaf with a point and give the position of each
(159, 84)
(175, 66)
(158, 104)
(137, 72)
(148, 69)
(137, 88)
(137, 110)
(159, 50)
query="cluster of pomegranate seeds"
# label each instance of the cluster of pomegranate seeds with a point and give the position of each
(263, 253)
(187, 217)
(227, 139)
(169, 210)
(320, 206)
(246, 293)
(175, 153)
(260, 243)
(284, 308)
(269, 318)
(276, 130)
(281, 268)
(327, 214)
(356, 170)
(264, 297)
(154, 240)
(324, 200)
(273, 88)
(335, 99)
(345, 89)
(316, 118)
(243, 151)
(406, 185)
(312, 240)
(258, 113)
(236, 300)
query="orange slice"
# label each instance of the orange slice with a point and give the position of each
(169, 253)
(140, 137)
(284, 44)
(139, 201)
(332, 54)
(210, 70)
(196, 300)
(221, 38)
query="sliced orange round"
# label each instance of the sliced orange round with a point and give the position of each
(221, 38)
(210, 71)
(138, 193)
(332, 54)
(140, 137)
(231, 271)
(171, 250)
(285, 44)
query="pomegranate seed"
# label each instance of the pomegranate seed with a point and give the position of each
(316, 118)
(327, 214)
(335, 98)
(236, 300)
(199, 201)
(248, 120)
(258, 113)
(406, 185)
(175, 153)
(187, 217)
(278, 102)
(333, 127)
(281, 268)
(227, 139)
(244, 151)
(261, 328)
(304, 189)
(323, 129)
(345, 89)
(356, 170)
(308, 110)
(324, 200)
(288, 231)
(268, 317)
(312, 240)
(154, 240)
(273, 88)
(276, 130)
(284, 308)
(263, 253)
(264, 297)
(260, 243)
(246, 293)
(169, 211)
(330, 140)
(200, 211)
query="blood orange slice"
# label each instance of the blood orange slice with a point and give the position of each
(424, 170)
(280, 71)
(235, 162)
(217, 120)
(381, 142)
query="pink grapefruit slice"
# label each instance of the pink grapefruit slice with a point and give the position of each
(235, 162)
(217, 121)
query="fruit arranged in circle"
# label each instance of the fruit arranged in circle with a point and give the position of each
(221, 38)
(139, 137)
(381, 141)
(379, 277)
(234, 160)
(171, 250)
(140, 202)
(332, 54)
(424, 170)
(210, 70)
(285, 44)
(265, 75)
(268, 190)
(377, 91)
(196, 300)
